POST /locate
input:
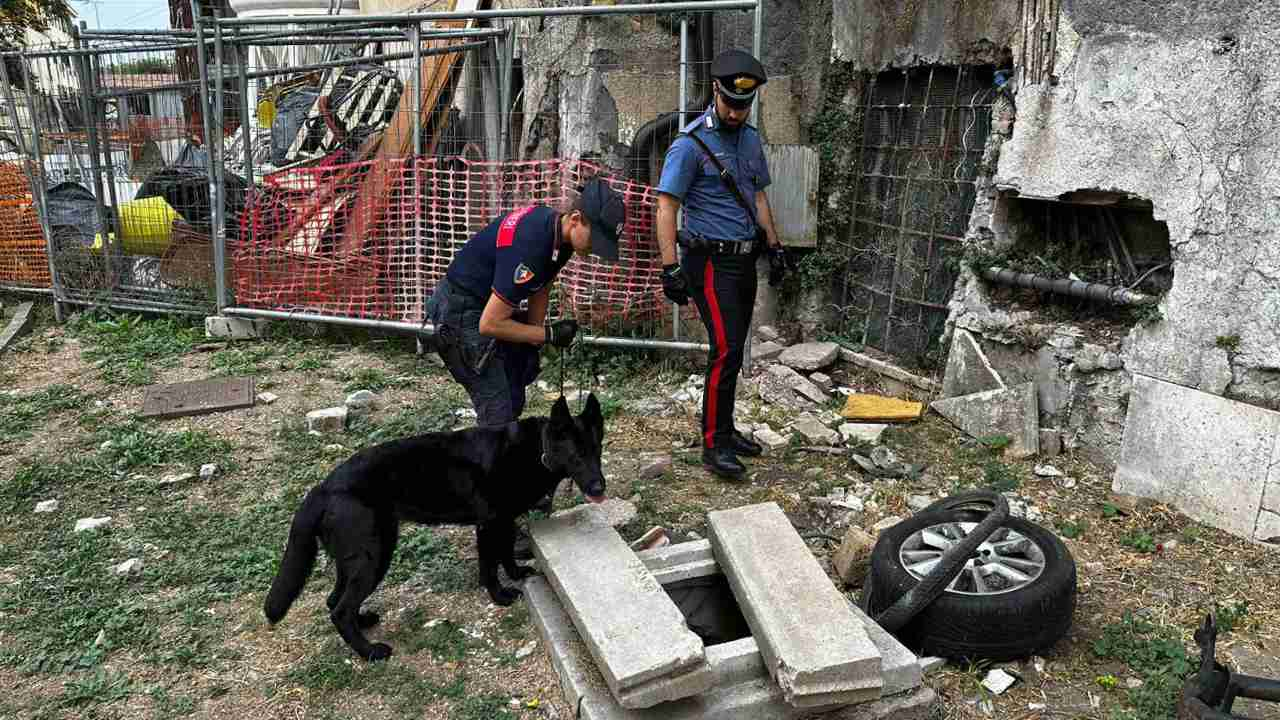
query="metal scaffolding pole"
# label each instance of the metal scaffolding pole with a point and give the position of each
(578, 10)
(87, 104)
(219, 279)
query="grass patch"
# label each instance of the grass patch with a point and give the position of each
(1000, 477)
(424, 555)
(1154, 654)
(242, 360)
(1229, 617)
(483, 707)
(22, 414)
(1140, 541)
(1072, 530)
(129, 349)
(98, 686)
(372, 379)
(142, 445)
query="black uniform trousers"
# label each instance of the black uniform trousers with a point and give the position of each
(723, 286)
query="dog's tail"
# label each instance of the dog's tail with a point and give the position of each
(299, 558)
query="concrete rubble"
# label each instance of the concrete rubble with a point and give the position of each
(810, 356)
(742, 671)
(1011, 412)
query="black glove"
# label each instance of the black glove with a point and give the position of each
(560, 333)
(674, 285)
(777, 266)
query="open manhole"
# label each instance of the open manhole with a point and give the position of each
(709, 608)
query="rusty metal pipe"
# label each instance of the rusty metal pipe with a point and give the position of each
(1066, 286)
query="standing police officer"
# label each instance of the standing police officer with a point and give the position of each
(490, 344)
(717, 170)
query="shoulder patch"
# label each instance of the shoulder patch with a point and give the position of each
(507, 230)
(522, 275)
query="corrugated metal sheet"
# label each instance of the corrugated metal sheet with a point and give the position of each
(793, 195)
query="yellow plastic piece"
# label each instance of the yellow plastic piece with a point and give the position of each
(266, 113)
(146, 227)
(876, 408)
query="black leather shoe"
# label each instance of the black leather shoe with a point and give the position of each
(723, 462)
(743, 445)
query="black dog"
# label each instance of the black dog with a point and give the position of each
(482, 476)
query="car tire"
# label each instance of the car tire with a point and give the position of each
(1007, 620)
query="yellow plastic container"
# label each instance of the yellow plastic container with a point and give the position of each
(146, 226)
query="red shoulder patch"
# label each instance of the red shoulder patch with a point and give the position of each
(507, 230)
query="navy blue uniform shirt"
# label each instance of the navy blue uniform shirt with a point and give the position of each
(710, 210)
(512, 257)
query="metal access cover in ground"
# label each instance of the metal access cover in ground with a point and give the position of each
(197, 397)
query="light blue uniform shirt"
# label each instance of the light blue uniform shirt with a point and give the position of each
(710, 210)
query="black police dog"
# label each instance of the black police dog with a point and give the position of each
(485, 477)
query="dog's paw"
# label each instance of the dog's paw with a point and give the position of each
(379, 651)
(520, 572)
(505, 596)
(367, 619)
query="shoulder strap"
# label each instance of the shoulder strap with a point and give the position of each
(726, 179)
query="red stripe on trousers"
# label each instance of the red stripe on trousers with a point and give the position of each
(717, 324)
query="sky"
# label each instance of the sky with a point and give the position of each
(118, 14)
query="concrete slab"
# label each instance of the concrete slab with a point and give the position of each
(968, 369)
(810, 356)
(1012, 412)
(18, 324)
(736, 695)
(1203, 454)
(235, 328)
(637, 635)
(814, 646)
(681, 561)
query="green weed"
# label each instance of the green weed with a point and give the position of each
(23, 414)
(140, 445)
(483, 707)
(423, 554)
(1229, 617)
(129, 349)
(1156, 655)
(1072, 530)
(99, 686)
(372, 379)
(1000, 477)
(1140, 541)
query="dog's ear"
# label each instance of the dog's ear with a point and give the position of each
(593, 417)
(560, 412)
(591, 413)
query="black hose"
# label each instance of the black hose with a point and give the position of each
(657, 134)
(919, 597)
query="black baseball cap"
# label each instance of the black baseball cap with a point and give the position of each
(739, 76)
(603, 207)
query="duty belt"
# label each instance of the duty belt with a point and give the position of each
(697, 243)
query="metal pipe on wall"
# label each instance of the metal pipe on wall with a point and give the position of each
(1066, 286)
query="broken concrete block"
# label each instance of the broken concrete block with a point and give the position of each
(656, 537)
(876, 408)
(1267, 529)
(822, 380)
(175, 478)
(919, 502)
(638, 637)
(932, 664)
(328, 420)
(810, 356)
(814, 646)
(761, 352)
(208, 470)
(997, 681)
(968, 369)
(267, 398)
(814, 431)
(829, 418)
(47, 506)
(899, 667)
(235, 328)
(18, 324)
(797, 382)
(862, 432)
(613, 512)
(885, 524)
(361, 402)
(853, 557)
(1206, 455)
(656, 467)
(92, 523)
(1047, 471)
(771, 440)
(132, 566)
(767, 333)
(1012, 412)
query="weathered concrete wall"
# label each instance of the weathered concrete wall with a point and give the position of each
(1180, 106)
(879, 34)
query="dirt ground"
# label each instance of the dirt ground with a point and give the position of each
(185, 635)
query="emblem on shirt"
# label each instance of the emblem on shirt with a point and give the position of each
(523, 274)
